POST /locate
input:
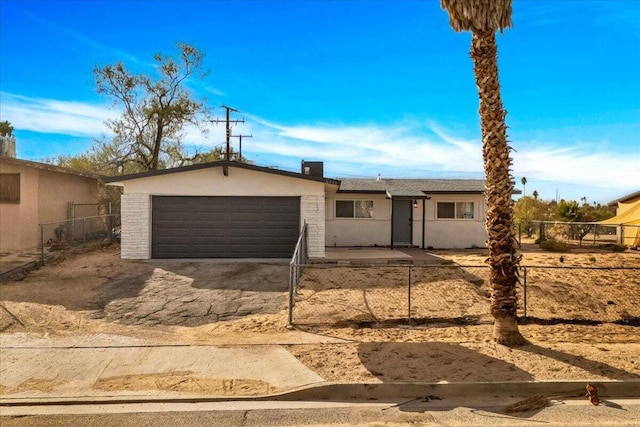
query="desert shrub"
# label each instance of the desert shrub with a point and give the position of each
(618, 248)
(554, 246)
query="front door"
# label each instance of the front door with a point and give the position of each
(401, 222)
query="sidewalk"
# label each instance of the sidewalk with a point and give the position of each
(105, 368)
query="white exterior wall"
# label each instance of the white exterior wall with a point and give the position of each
(312, 211)
(135, 214)
(438, 233)
(454, 233)
(374, 231)
(136, 201)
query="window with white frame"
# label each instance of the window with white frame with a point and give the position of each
(455, 210)
(354, 208)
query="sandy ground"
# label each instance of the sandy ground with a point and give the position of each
(62, 300)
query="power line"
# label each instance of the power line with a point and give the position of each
(228, 122)
(240, 141)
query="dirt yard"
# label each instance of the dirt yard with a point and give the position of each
(225, 304)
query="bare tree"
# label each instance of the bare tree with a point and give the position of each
(148, 133)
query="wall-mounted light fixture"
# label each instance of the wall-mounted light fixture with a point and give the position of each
(415, 204)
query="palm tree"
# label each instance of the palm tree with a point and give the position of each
(483, 18)
(524, 185)
(535, 194)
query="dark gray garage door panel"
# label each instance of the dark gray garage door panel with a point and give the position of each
(224, 227)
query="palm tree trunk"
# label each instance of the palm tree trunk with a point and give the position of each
(499, 188)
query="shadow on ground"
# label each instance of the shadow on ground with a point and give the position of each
(154, 292)
(433, 362)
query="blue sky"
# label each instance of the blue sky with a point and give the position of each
(366, 86)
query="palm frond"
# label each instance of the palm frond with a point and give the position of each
(478, 15)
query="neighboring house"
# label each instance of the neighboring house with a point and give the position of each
(627, 218)
(235, 210)
(33, 193)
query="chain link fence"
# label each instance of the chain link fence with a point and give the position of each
(73, 232)
(369, 295)
(579, 234)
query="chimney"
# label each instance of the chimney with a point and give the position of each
(8, 146)
(313, 169)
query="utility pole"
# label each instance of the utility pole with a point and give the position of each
(228, 122)
(240, 141)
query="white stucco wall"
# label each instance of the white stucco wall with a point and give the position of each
(438, 233)
(136, 201)
(455, 233)
(374, 231)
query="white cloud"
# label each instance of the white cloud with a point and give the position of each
(402, 149)
(54, 116)
(214, 90)
(406, 145)
(582, 164)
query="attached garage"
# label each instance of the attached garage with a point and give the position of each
(221, 210)
(224, 227)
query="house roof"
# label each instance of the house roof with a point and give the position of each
(48, 167)
(625, 199)
(412, 187)
(222, 163)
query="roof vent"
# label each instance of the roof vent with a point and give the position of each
(313, 169)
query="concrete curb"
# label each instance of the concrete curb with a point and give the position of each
(392, 391)
(367, 392)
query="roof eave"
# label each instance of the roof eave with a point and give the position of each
(624, 199)
(53, 168)
(119, 180)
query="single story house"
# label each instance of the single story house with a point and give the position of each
(235, 210)
(33, 193)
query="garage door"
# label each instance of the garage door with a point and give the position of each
(224, 227)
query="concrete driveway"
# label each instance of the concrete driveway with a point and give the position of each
(186, 293)
(196, 293)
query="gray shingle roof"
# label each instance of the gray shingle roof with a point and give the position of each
(408, 187)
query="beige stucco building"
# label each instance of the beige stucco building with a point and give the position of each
(33, 193)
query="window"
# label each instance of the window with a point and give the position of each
(9, 188)
(354, 208)
(455, 210)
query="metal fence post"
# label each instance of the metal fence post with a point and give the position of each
(520, 234)
(409, 297)
(291, 292)
(525, 292)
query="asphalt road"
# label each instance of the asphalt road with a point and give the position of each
(466, 412)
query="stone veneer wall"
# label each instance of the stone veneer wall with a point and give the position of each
(136, 226)
(312, 211)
